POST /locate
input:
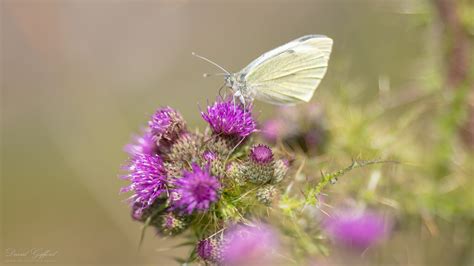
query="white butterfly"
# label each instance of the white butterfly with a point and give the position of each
(286, 75)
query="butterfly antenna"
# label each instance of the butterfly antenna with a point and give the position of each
(213, 74)
(212, 62)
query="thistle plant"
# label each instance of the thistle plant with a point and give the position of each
(228, 194)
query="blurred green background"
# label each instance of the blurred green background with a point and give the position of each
(80, 77)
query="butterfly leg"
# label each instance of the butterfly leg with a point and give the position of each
(242, 101)
(233, 100)
(241, 97)
(238, 94)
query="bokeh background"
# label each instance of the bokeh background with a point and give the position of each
(80, 77)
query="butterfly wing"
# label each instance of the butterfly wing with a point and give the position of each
(290, 73)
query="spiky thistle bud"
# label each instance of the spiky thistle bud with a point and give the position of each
(210, 250)
(281, 168)
(267, 194)
(259, 168)
(170, 224)
(214, 161)
(174, 169)
(185, 149)
(235, 171)
(220, 146)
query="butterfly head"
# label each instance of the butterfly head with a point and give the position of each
(229, 80)
(235, 81)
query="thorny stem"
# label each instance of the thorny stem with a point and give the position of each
(311, 196)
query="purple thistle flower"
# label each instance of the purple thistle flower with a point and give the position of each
(197, 189)
(229, 118)
(357, 229)
(144, 144)
(210, 250)
(167, 124)
(204, 249)
(148, 177)
(260, 167)
(249, 245)
(261, 154)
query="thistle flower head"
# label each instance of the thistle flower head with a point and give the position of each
(229, 118)
(210, 249)
(220, 146)
(197, 190)
(234, 172)
(261, 154)
(281, 168)
(142, 144)
(214, 161)
(167, 124)
(267, 194)
(260, 166)
(184, 149)
(148, 181)
(357, 229)
(170, 224)
(249, 245)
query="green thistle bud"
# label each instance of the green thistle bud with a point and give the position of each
(259, 168)
(215, 161)
(217, 168)
(170, 224)
(220, 146)
(174, 169)
(281, 168)
(235, 172)
(267, 194)
(186, 148)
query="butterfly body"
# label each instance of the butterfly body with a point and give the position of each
(238, 84)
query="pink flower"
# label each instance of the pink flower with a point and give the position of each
(249, 245)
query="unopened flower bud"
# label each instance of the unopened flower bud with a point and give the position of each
(170, 224)
(210, 250)
(281, 168)
(260, 166)
(267, 194)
